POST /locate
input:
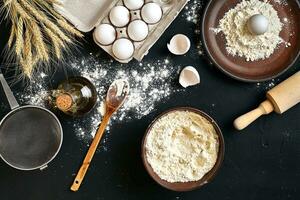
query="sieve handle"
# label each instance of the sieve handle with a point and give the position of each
(43, 167)
(8, 93)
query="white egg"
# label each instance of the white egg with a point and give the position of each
(151, 13)
(119, 16)
(123, 48)
(137, 30)
(133, 4)
(105, 34)
(258, 24)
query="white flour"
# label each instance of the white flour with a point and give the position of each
(192, 14)
(281, 2)
(153, 84)
(192, 11)
(265, 86)
(239, 41)
(182, 146)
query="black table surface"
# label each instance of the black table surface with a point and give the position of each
(261, 162)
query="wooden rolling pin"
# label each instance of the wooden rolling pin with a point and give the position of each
(279, 99)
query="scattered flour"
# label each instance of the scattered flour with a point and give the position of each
(281, 2)
(182, 146)
(239, 41)
(36, 93)
(265, 86)
(150, 83)
(192, 14)
(192, 11)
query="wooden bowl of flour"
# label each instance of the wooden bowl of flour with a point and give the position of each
(190, 185)
(284, 56)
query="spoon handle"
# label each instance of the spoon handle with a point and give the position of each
(89, 156)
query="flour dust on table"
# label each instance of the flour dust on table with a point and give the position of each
(192, 11)
(150, 83)
(192, 14)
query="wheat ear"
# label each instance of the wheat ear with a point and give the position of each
(39, 44)
(36, 24)
(48, 6)
(54, 2)
(56, 41)
(12, 35)
(19, 37)
(27, 54)
(7, 2)
(60, 20)
(43, 18)
(19, 9)
(65, 25)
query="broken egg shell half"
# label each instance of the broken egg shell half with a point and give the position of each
(179, 44)
(189, 76)
(119, 16)
(123, 48)
(105, 34)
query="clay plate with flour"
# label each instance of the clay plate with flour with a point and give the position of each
(180, 187)
(237, 67)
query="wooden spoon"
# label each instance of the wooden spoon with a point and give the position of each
(115, 98)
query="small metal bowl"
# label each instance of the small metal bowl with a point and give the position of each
(188, 186)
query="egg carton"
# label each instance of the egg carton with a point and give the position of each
(89, 14)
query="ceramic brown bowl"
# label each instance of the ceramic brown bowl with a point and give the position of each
(281, 60)
(180, 187)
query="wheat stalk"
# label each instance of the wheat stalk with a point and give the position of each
(37, 32)
(43, 18)
(19, 10)
(7, 3)
(38, 42)
(65, 25)
(27, 51)
(12, 35)
(60, 20)
(54, 2)
(58, 43)
(46, 6)
(13, 26)
(19, 37)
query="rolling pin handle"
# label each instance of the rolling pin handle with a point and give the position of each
(245, 120)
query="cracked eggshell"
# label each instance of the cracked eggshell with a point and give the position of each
(123, 48)
(189, 76)
(179, 44)
(119, 16)
(151, 13)
(133, 4)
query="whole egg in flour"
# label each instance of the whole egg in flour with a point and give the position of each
(123, 48)
(258, 24)
(137, 30)
(119, 16)
(151, 13)
(133, 4)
